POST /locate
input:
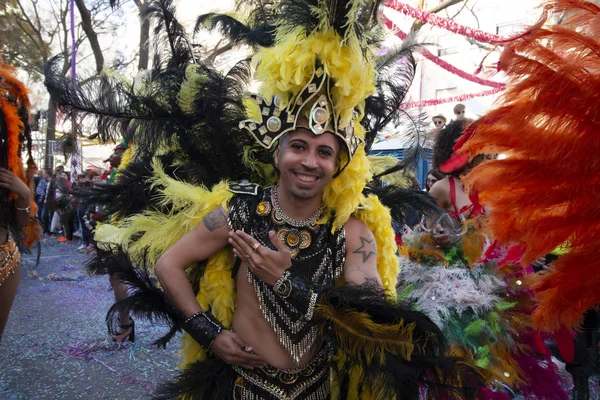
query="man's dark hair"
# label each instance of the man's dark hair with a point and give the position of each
(445, 141)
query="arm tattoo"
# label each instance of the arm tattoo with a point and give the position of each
(215, 219)
(367, 248)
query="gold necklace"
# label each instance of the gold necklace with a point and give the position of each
(290, 231)
(279, 215)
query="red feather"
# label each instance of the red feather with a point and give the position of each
(544, 194)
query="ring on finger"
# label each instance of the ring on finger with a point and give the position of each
(256, 246)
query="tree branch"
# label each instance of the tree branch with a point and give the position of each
(86, 24)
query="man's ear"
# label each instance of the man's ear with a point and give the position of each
(276, 156)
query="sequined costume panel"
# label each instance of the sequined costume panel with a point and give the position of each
(269, 383)
(317, 255)
(9, 259)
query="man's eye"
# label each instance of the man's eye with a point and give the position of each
(296, 146)
(326, 153)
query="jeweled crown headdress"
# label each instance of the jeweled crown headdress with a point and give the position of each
(277, 119)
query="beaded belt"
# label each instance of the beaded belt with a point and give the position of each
(310, 382)
(9, 259)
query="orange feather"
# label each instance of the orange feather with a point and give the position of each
(545, 192)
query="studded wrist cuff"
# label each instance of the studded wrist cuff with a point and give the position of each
(203, 327)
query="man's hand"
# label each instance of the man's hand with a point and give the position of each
(11, 182)
(266, 264)
(229, 348)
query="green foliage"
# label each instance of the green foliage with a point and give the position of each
(22, 40)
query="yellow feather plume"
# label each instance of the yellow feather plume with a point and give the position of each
(362, 339)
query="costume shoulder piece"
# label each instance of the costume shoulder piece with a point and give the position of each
(244, 187)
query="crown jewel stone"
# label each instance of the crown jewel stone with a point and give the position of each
(274, 124)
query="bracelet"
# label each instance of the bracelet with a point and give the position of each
(26, 209)
(283, 286)
(203, 327)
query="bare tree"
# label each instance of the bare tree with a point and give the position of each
(30, 34)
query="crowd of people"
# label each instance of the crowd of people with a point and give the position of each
(60, 211)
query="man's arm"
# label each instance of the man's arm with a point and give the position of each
(361, 254)
(204, 240)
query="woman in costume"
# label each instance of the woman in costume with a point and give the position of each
(17, 217)
(453, 272)
(545, 124)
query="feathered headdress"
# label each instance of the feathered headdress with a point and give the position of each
(544, 193)
(15, 133)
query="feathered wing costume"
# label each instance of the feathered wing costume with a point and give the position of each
(482, 306)
(16, 133)
(543, 195)
(195, 132)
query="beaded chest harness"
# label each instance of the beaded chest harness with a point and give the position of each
(316, 254)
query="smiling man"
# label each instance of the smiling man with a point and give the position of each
(293, 260)
(286, 287)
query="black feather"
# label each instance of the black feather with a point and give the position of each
(401, 202)
(172, 46)
(112, 105)
(429, 366)
(236, 31)
(146, 301)
(204, 380)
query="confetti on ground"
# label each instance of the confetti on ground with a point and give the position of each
(56, 344)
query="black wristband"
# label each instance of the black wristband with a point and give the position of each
(298, 291)
(203, 327)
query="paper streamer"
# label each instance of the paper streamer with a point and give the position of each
(445, 23)
(462, 97)
(444, 64)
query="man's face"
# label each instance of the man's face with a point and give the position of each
(460, 114)
(115, 158)
(438, 123)
(307, 162)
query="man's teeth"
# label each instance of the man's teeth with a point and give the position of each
(306, 178)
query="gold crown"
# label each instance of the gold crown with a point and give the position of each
(277, 121)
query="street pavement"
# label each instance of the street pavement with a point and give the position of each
(56, 344)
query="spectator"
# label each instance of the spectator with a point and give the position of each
(64, 205)
(460, 112)
(433, 176)
(40, 193)
(439, 121)
(49, 206)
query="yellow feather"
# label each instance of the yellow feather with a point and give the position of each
(358, 335)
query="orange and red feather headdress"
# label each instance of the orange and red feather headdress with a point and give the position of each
(545, 193)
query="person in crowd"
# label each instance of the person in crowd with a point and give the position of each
(49, 205)
(64, 206)
(433, 176)
(439, 121)
(460, 111)
(40, 193)
(18, 226)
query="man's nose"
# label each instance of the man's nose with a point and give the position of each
(310, 161)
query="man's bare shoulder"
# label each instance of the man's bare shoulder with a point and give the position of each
(216, 219)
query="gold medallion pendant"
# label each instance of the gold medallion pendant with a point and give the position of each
(294, 239)
(263, 208)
